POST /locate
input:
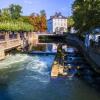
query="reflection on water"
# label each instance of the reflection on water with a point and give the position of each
(33, 82)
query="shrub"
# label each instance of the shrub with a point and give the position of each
(15, 26)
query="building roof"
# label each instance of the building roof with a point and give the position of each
(57, 16)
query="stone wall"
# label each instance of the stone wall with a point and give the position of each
(89, 54)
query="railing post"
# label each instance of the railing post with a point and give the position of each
(6, 36)
(18, 36)
(2, 54)
(7, 40)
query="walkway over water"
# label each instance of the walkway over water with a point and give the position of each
(8, 43)
(21, 40)
(32, 37)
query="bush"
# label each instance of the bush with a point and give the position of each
(15, 26)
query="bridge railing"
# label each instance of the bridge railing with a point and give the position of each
(8, 42)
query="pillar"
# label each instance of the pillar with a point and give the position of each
(2, 53)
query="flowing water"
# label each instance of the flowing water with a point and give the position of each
(28, 78)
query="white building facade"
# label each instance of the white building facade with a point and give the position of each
(57, 24)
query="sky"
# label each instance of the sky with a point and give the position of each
(50, 6)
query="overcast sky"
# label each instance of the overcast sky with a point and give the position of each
(50, 6)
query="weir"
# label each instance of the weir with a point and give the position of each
(35, 39)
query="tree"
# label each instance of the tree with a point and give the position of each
(24, 19)
(33, 14)
(39, 21)
(34, 20)
(43, 22)
(70, 21)
(11, 20)
(15, 11)
(42, 13)
(86, 14)
(0, 12)
(5, 14)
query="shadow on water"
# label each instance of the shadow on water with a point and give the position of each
(88, 75)
(85, 72)
(4, 93)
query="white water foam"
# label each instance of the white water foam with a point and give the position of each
(37, 65)
(12, 59)
(40, 67)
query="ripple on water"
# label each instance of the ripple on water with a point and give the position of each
(40, 68)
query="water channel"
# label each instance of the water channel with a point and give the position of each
(28, 78)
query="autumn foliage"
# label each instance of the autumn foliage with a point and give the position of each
(39, 22)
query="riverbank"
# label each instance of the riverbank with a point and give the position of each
(90, 55)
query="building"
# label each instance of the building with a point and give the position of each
(57, 23)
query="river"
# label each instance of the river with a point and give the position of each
(29, 79)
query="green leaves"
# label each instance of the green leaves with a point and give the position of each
(15, 11)
(11, 19)
(86, 14)
(70, 21)
(15, 26)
